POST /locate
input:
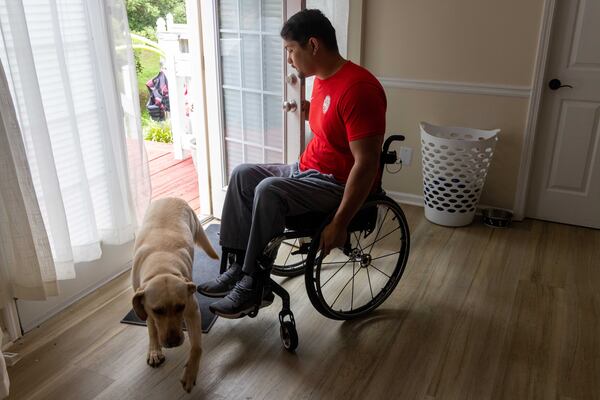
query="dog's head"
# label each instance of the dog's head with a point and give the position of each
(165, 298)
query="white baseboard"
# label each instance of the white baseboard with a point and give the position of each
(406, 198)
(416, 200)
(73, 299)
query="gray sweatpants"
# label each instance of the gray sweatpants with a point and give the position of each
(260, 196)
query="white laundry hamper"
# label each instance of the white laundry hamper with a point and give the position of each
(455, 164)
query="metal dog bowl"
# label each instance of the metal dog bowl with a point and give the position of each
(496, 217)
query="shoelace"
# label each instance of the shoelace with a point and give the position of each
(239, 293)
(227, 275)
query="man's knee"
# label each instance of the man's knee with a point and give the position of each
(269, 187)
(242, 171)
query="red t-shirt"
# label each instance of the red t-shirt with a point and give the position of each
(347, 106)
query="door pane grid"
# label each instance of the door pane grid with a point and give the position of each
(257, 84)
(262, 84)
(249, 90)
(249, 32)
(241, 142)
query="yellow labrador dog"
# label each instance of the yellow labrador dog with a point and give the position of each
(162, 280)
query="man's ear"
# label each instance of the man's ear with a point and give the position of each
(138, 304)
(191, 286)
(314, 45)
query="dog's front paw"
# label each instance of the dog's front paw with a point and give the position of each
(188, 379)
(155, 358)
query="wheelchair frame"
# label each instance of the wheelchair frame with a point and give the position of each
(364, 221)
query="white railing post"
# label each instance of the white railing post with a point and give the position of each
(168, 40)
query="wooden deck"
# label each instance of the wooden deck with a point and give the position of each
(171, 177)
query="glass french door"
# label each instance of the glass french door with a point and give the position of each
(247, 83)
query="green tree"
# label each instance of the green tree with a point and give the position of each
(142, 14)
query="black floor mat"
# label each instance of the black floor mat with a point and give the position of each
(205, 268)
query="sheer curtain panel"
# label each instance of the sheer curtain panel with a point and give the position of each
(87, 163)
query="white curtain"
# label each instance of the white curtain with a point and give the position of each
(4, 383)
(26, 264)
(86, 156)
(114, 17)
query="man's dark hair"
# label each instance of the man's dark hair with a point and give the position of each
(310, 23)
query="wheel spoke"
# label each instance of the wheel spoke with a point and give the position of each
(387, 255)
(322, 286)
(352, 295)
(334, 262)
(383, 237)
(290, 253)
(339, 294)
(379, 230)
(371, 265)
(370, 287)
(358, 242)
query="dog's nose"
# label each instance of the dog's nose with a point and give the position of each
(174, 340)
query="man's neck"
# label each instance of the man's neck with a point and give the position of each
(330, 65)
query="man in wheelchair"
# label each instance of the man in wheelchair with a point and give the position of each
(338, 170)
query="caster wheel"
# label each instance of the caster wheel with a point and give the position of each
(289, 336)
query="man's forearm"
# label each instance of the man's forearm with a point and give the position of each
(358, 187)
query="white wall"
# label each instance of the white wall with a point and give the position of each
(469, 43)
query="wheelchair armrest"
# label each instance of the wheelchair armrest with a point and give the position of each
(390, 157)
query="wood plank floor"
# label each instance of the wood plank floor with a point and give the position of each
(171, 177)
(480, 313)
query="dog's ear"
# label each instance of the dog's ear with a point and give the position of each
(191, 288)
(138, 304)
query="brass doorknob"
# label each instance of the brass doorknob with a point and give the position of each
(290, 106)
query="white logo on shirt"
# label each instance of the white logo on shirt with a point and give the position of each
(326, 103)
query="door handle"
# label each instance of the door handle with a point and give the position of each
(290, 106)
(556, 84)
(291, 79)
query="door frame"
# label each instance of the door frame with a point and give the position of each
(198, 98)
(533, 113)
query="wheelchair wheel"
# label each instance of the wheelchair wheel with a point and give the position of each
(289, 336)
(352, 281)
(286, 262)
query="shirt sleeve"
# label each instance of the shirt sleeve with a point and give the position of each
(362, 109)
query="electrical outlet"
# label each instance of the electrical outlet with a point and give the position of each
(406, 155)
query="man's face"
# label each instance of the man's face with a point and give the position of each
(301, 57)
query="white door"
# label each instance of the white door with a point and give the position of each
(565, 181)
(247, 83)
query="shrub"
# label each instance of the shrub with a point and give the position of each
(158, 132)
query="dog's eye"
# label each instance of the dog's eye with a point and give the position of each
(159, 311)
(179, 307)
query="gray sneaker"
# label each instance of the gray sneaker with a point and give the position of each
(222, 284)
(241, 300)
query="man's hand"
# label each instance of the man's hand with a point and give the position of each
(305, 108)
(334, 235)
(366, 162)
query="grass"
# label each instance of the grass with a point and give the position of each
(150, 63)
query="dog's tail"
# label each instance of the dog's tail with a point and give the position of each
(201, 239)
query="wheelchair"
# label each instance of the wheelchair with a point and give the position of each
(350, 281)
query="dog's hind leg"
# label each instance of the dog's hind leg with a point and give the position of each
(193, 324)
(155, 354)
